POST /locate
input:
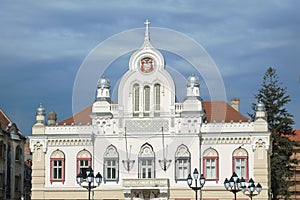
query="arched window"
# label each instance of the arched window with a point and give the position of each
(18, 153)
(57, 166)
(111, 164)
(182, 163)
(146, 162)
(146, 100)
(157, 96)
(240, 163)
(211, 164)
(84, 161)
(136, 97)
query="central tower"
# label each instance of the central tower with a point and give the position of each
(147, 89)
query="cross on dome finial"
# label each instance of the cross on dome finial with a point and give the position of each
(147, 23)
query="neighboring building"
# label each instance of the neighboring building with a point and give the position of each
(146, 144)
(27, 172)
(11, 159)
(295, 189)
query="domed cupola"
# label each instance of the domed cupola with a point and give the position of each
(192, 105)
(193, 86)
(193, 81)
(103, 88)
(260, 111)
(103, 83)
(101, 107)
(260, 106)
(40, 114)
(40, 110)
(52, 117)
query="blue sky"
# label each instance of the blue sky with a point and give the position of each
(43, 44)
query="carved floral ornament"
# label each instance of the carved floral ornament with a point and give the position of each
(261, 142)
(37, 144)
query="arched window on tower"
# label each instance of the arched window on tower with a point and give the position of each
(240, 163)
(136, 99)
(146, 162)
(146, 100)
(57, 165)
(157, 96)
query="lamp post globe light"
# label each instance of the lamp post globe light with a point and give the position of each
(251, 190)
(89, 178)
(201, 181)
(235, 185)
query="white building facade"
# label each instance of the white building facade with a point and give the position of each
(146, 145)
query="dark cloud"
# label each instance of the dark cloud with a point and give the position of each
(43, 44)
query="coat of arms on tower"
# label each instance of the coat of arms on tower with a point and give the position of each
(146, 65)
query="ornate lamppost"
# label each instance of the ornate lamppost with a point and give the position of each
(235, 185)
(251, 190)
(201, 181)
(89, 177)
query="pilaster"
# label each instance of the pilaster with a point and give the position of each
(38, 149)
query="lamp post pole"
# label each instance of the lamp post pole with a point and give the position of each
(196, 187)
(235, 185)
(89, 178)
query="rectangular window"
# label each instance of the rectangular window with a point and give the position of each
(1, 149)
(1, 181)
(83, 164)
(147, 170)
(111, 170)
(136, 98)
(157, 97)
(18, 154)
(57, 170)
(182, 168)
(210, 165)
(147, 98)
(240, 167)
(111, 166)
(17, 183)
(211, 168)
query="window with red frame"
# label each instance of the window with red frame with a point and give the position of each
(240, 163)
(57, 165)
(84, 161)
(211, 164)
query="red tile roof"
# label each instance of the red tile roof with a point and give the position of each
(215, 111)
(4, 120)
(220, 111)
(80, 117)
(295, 137)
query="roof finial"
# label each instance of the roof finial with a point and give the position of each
(147, 22)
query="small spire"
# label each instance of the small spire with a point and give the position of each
(147, 23)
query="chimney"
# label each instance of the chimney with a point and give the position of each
(235, 103)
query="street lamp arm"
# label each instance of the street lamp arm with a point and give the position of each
(235, 185)
(89, 178)
(89, 187)
(195, 188)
